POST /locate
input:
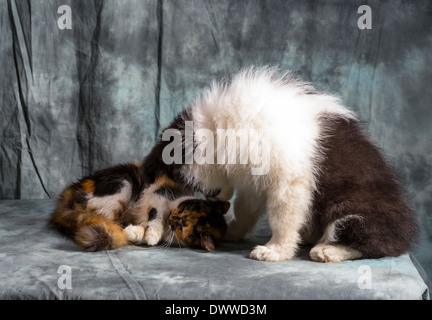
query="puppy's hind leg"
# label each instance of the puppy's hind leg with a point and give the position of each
(323, 252)
(329, 248)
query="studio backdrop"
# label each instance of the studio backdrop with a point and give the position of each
(87, 84)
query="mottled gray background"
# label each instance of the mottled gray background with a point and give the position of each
(73, 101)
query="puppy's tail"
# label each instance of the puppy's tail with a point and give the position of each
(90, 230)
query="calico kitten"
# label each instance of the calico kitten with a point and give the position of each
(325, 182)
(95, 210)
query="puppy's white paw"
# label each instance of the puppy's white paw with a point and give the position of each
(152, 235)
(270, 253)
(333, 253)
(134, 234)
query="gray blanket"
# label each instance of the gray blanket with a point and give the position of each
(38, 263)
(76, 100)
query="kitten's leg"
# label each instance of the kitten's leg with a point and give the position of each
(287, 208)
(323, 252)
(247, 209)
(157, 224)
(150, 234)
(154, 232)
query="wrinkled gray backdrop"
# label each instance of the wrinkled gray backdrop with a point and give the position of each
(77, 100)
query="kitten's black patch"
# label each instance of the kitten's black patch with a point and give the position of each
(109, 181)
(355, 180)
(152, 214)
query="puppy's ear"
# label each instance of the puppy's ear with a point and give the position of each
(207, 242)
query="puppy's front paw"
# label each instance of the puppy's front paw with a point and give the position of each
(134, 234)
(152, 235)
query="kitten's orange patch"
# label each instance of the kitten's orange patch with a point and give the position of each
(123, 205)
(92, 209)
(207, 247)
(88, 186)
(89, 220)
(164, 181)
(68, 195)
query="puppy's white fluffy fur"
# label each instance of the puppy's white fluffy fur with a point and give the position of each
(286, 114)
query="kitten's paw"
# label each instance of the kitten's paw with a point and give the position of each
(333, 253)
(152, 236)
(134, 234)
(270, 253)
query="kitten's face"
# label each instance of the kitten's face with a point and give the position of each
(199, 223)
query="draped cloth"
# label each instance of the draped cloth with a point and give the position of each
(80, 99)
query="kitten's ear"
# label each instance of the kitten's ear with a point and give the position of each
(224, 207)
(207, 242)
(181, 207)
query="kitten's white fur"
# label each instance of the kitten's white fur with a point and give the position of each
(107, 205)
(286, 112)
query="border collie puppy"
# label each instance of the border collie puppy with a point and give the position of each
(295, 153)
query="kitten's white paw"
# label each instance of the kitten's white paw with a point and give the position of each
(134, 234)
(152, 236)
(333, 253)
(271, 253)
